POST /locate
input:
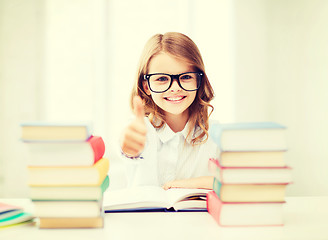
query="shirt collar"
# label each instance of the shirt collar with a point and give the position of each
(165, 133)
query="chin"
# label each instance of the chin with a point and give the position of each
(175, 111)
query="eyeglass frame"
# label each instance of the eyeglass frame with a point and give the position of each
(172, 77)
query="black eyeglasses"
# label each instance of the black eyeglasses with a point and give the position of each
(161, 82)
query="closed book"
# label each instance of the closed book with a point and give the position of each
(252, 136)
(252, 159)
(80, 222)
(245, 214)
(70, 209)
(250, 192)
(249, 175)
(69, 176)
(69, 192)
(76, 153)
(55, 131)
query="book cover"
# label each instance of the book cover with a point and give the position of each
(76, 153)
(55, 131)
(147, 198)
(70, 209)
(244, 214)
(69, 176)
(70, 193)
(249, 175)
(252, 136)
(250, 192)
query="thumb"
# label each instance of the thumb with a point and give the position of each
(138, 108)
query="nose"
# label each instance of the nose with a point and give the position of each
(175, 85)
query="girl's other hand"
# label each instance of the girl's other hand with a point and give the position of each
(134, 136)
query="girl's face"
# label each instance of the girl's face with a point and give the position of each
(175, 100)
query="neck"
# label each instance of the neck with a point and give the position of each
(177, 122)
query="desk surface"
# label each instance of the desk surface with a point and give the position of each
(305, 218)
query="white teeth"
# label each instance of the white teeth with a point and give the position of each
(174, 98)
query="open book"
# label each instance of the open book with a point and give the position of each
(152, 198)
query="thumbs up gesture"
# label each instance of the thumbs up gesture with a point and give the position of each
(134, 136)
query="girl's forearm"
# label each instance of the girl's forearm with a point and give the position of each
(205, 182)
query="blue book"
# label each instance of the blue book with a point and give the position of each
(251, 136)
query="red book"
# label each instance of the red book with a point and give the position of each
(76, 153)
(247, 214)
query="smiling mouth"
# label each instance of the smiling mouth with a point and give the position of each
(175, 99)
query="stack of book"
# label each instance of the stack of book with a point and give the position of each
(67, 174)
(250, 175)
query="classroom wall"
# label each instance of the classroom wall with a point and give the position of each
(281, 75)
(298, 60)
(21, 69)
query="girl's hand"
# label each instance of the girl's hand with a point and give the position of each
(133, 138)
(205, 182)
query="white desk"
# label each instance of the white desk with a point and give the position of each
(305, 218)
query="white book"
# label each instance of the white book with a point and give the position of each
(252, 136)
(249, 175)
(78, 153)
(72, 209)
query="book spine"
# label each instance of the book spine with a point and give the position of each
(69, 222)
(102, 167)
(217, 187)
(98, 146)
(214, 206)
(212, 165)
(105, 184)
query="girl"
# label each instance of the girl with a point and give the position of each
(170, 147)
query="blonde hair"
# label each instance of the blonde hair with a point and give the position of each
(181, 47)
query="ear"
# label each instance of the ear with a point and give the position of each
(145, 87)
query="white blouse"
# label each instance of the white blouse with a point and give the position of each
(168, 157)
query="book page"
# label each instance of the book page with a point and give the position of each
(180, 194)
(150, 197)
(136, 197)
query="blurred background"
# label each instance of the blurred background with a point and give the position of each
(73, 60)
